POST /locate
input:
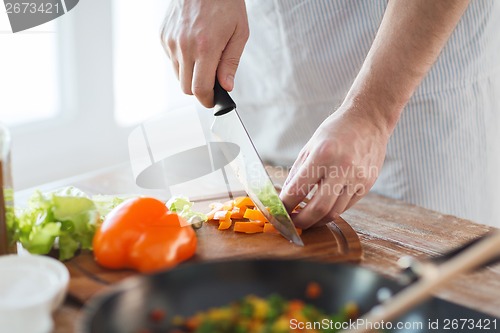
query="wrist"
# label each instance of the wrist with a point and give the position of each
(378, 107)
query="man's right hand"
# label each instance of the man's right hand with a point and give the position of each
(205, 38)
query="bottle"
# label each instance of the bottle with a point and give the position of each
(7, 245)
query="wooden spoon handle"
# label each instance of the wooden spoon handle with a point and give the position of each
(418, 292)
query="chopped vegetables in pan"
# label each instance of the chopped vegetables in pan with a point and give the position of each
(255, 314)
(273, 314)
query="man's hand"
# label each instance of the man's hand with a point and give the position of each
(340, 162)
(205, 38)
(344, 155)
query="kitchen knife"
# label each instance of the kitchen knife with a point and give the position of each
(228, 128)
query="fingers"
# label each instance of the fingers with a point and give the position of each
(204, 81)
(230, 59)
(356, 197)
(202, 44)
(320, 207)
(342, 201)
(185, 76)
(296, 166)
(300, 184)
(175, 65)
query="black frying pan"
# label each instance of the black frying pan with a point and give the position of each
(196, 287)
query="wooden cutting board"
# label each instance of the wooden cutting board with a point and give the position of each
(334, 242)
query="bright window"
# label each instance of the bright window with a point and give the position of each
(144, 82)
(28, 73)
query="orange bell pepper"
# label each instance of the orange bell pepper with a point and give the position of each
(237, 212)
(248, 227)
(225, 224)
(254, 215)
(142, 234)
(269, 228)
(243, 202)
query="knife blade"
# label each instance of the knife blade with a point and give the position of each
(248, 167)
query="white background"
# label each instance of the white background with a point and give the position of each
(72, 90)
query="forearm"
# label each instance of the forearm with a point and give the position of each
(408, 42)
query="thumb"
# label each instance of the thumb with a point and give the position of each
(229, 61)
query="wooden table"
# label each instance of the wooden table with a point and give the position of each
(388, 229)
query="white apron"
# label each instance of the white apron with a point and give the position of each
(301, 59)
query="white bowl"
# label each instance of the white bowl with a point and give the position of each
(31, 288)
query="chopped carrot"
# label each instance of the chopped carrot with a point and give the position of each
(248, 227)
(261, 223)
(243, 202)
(295, 305)
(313, 290)
(225, 224)
(193, 322)
(269, 228)
(157, 315)
(254, 215)
(237, 212)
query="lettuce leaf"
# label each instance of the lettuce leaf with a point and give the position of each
(182, 206)
(269, 198)
(106, 203)
(67, 216)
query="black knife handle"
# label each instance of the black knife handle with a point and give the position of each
(223, 102)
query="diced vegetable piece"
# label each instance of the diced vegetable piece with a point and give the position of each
(243, 202)
(215, 207)
(313, 290)
(237, 212)
(157, 315)
(269, 228)
(183, 207)
(222, 215)
(295, 305)
(248, 227)
(254, 215)
(225, 224)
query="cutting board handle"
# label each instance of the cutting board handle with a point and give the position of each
(223, 102)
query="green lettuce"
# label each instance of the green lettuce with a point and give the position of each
(66, 217)
(183, 207)
(269, 198)
(106, 203)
